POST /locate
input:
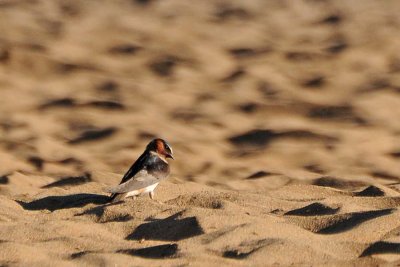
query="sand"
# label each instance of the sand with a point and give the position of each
(283, 116)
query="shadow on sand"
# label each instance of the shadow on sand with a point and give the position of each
(156, 252)
(381, 247)
(53, 203)
(172, 228)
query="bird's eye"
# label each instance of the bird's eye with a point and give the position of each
(167, 148)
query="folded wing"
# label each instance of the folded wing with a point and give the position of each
(141, 180)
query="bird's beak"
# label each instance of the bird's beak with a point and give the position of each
(169, 156)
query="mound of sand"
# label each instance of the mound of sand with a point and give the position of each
(190, 223)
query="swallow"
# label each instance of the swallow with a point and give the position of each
(146, 173)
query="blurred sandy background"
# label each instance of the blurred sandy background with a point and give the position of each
(269, 106)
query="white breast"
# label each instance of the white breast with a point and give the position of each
(148, 189)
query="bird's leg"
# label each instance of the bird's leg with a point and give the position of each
(151, 194)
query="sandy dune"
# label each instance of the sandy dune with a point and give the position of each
(283, 116)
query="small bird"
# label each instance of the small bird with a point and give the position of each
(145, 174)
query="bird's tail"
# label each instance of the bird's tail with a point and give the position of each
(116, 197)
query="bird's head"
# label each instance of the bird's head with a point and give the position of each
(161, 147)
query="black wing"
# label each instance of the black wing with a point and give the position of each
(139, 164)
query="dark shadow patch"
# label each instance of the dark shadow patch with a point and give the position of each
(4, 55)
(53, 203)
(143, 2)
(206, 166)
(4, 179)
(97, 211)
(395, 154)
(351, 220)
(250, 107)
(299, 56)
(235, 75)
(314, 168)
(169, 229)
(257, 137)
(333, 19)
(77, 255)
(52, 27)
(91, 135)
(370, 191)
(375, 84)
(330, 181)
(62, 102)
(8, 125)
(330, 147)
(314, 82)
(70, 161)
(313, 210)
(66, 68)
(24, 146)
(267, 90)
(262, 137)
(36, 47)
(336, 45)
(164, 66)
(381, 247)
(156, 252)
(108, 86)
(186, 115)
(394, 65)
(242, 52)
(122, 218)
(124, 49)
(236, 254)
(105, 104)
(307, 135)
(225, 12)
(258, 175)
(277, 211)
(341, 113)
(337, 223)
(69, 9)
(36, 161)
(70, 181)
(384, 175)
(204, 97)
(7, 4)
(245, 249)
(245, 52)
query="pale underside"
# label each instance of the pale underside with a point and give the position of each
(148, 189)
